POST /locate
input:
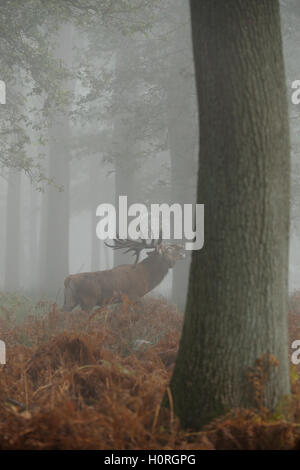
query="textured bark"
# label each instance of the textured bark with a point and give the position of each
(237, 298)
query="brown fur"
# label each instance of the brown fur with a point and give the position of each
(100, 287)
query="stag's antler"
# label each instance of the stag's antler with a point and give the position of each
(137, 246)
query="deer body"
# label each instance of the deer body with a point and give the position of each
(100, 287)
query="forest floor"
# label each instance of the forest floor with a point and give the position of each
(74, 381)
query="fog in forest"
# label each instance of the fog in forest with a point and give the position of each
(106, 107)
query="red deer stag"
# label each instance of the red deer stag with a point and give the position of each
(134, 280)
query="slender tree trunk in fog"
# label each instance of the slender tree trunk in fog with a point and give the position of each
(33, 247)
(237, 299)
(43, 228)
(95, 191)
(101, 191)
(125, 186)
(57, 235)
(124, 145)
(182, 132)
(56, 241)
(13, 226)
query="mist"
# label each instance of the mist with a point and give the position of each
(111, 110)
(117, 117)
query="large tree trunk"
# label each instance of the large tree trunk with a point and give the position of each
(237, 298)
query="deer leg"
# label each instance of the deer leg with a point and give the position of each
(87, 304)
(69, 301)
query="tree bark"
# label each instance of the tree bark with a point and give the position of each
(237, 297)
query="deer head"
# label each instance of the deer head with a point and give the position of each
(171, 252)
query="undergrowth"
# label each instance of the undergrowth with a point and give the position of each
(79, 381)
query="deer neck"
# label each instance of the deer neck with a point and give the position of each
(156, 268)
